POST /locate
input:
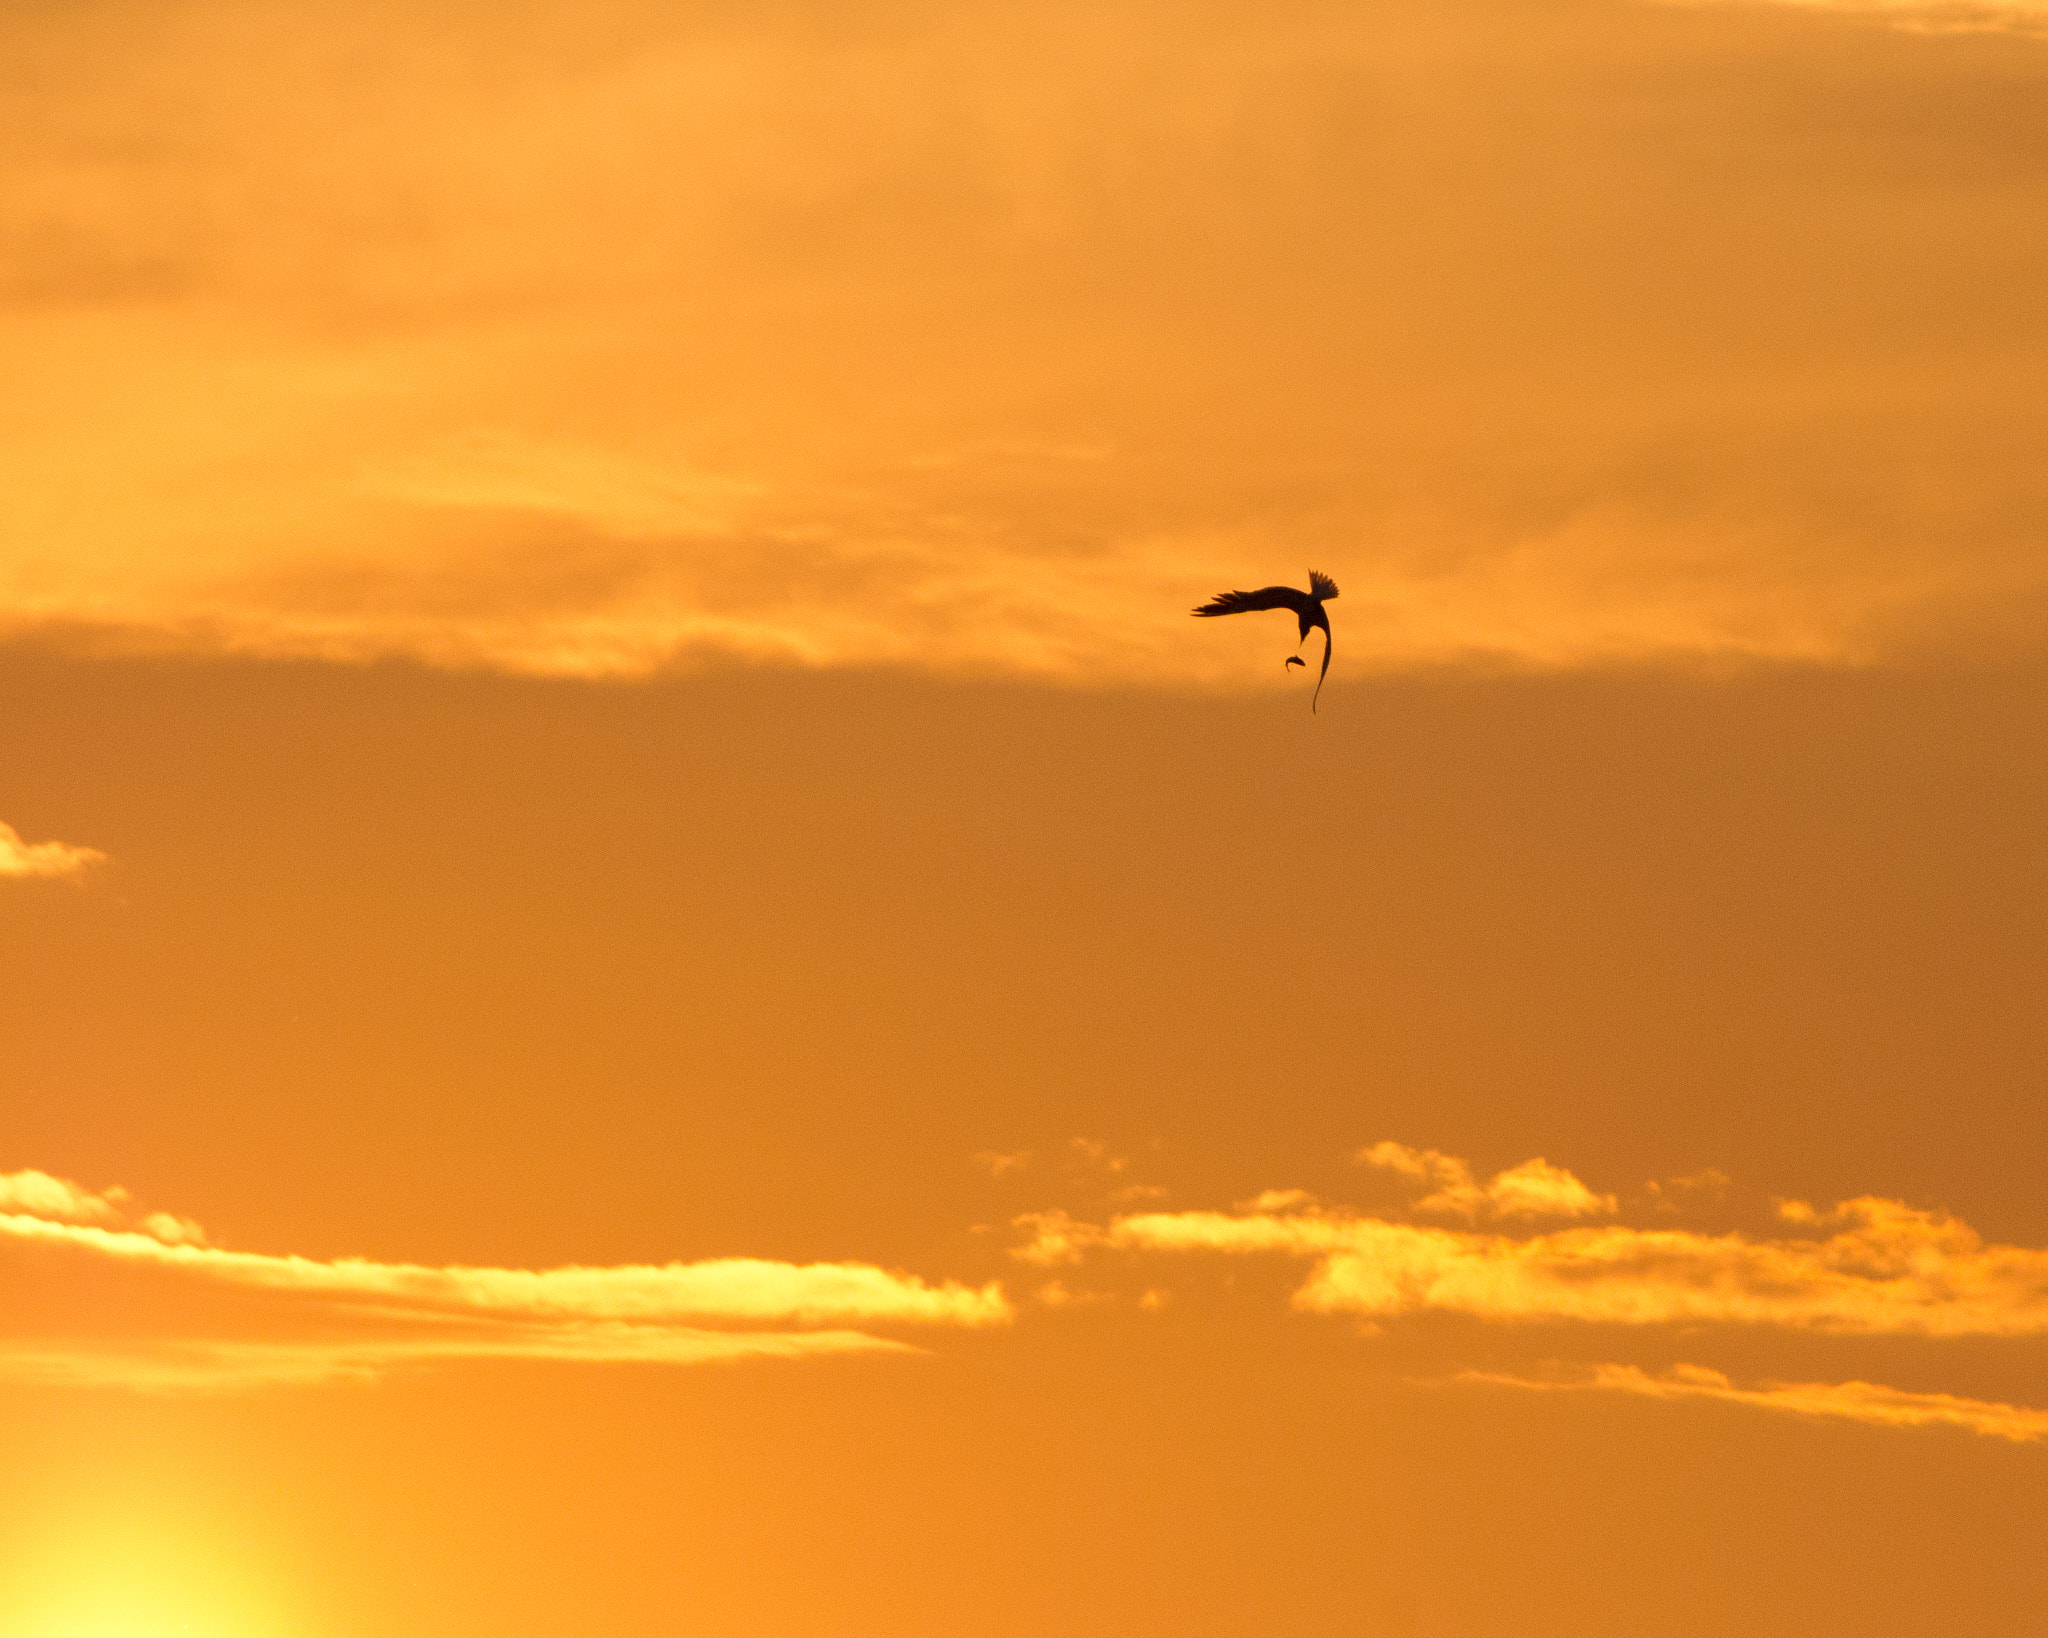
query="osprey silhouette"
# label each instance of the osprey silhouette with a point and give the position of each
(1308, 607)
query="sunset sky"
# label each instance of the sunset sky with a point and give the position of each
(656, 987)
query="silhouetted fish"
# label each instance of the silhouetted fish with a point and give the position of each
(1308, 606)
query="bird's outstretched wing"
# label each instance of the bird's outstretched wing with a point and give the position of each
(1324, 672)
(1321, 585)
(1267, 597)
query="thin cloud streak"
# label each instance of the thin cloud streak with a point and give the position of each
(398, 1314)
(234, 1367)
(739, 1288)
(2028, 17)
(1868, 1402)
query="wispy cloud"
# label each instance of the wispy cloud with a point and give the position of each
(1851, 1401)
(191, 1366)
(49, 859)
(355, 1316)
(1921, 16)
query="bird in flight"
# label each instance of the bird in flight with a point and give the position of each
(1308, 608)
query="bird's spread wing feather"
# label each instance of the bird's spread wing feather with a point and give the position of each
(1321, 585)
(1267, 597)
(1324, 672)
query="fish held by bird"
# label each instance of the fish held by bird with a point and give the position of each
(1307, 607)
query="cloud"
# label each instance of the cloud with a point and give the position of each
(38, 1194)
(1056, 1238)
(50, 859)
(1675, 1194)
(1920, 16)
(1054, 1294)
(1094, 1155)
(1852, 1401)
(59, 1200)
(990, 340)
(1869, 1266)
(228, 1366)
(397, 1313)
(1533, 1189)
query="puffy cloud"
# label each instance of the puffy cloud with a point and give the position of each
(172, 1229)
(1538, 1189)
(670, 1313)
(1533, 1189)
(1866, 1267)
(38, 1194)
(1853, 1401)
(1055, 1238)
(1886, 1269)
(19, 858)
(59, 1200)
(1424, 1165)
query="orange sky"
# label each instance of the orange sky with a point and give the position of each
(658, 987)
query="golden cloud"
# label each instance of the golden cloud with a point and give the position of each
(1889, 1269)
(184, 1366)
(1851, 1401)
(618, 336)
(1535, 1188)
(1868, 1266)
(391, 1314)
(58, 1199)
(19, 858)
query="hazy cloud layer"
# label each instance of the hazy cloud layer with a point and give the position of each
(605, 337)
(19, 858)
(1852, 1401)
(350, 1317)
